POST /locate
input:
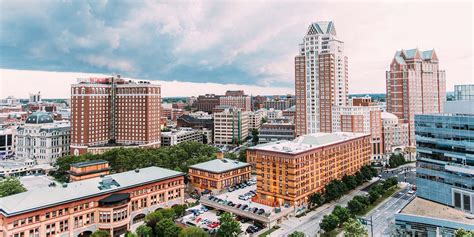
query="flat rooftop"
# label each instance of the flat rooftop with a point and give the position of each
(308, 142)
(423, 207)
(88, 163)
(219, 165)
(40, 198)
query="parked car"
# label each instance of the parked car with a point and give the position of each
(260, 211)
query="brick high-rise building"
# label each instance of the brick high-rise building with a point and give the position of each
(111, 112)
(415, 85)
(320, 78)
(207, 102)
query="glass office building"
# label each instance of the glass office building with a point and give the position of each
(464, 92)
(445, 162)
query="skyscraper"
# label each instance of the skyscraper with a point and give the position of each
(111, 112)
(320, 78)
(415, 85)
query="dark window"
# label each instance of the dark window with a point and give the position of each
(457, 200)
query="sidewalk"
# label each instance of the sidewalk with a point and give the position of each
(292, 223)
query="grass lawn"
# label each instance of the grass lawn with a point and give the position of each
(333, 233)
(268, 232)
(387, 194)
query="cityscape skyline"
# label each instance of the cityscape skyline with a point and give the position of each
(256, 53)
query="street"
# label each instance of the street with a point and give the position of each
(309, 224)
(384, 214)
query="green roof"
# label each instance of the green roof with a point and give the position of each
(219, 165)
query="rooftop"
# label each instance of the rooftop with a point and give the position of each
(88, 163)
(308, 142)
(422, 207)
(51, 196)
(219, 165)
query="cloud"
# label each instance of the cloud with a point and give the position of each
(58, 84)
(239, 42)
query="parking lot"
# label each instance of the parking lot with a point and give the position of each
(205, 218)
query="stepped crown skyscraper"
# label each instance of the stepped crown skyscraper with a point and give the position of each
(320, 78)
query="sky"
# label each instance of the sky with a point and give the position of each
(226, 43)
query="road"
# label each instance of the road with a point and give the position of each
(405, 173)
(383, 216)
(309, 224)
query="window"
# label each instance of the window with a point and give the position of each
(457, 200)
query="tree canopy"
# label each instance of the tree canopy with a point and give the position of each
(178, 158)
(296, 234)
(229, 227)
(329, 223)
(10, 186)
(100, 233)
(167, 228)
(353, 228)
(193, 232)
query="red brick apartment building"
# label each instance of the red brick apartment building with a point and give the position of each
(114, 203)
(111, 112)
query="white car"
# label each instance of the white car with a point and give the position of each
(411, 192)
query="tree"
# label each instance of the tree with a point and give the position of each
(349, 181)
(373, 195)
(342, 214)
(254, 136)
(362, 199)
(334, 190)
(329, 223)
(355, 207)
(144, 231)
(359, 178)
(390, 182)
(463, 233)
(229, 227)
(130, 234)
(230, 155)
(193, 232)
(100, 233)
(296, 234)
(10, 186)
(316, 199)
(264, 120)
(167, 228)
(152, 218)
(243, 155)
(353, 228)
(179, 210)
(396, 160)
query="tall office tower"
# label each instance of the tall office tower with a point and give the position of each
(415, 85)
(320, 78)
(112, 112)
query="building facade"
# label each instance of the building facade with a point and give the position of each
(255, 119)
(7, 141)
(415, 85)
(115, 203)
(176, 136)
(207, 102)
(445, 163)
(88, 169)
(231, 126)
(290, 171)
(111, 112)
(360, 119)
(464, 92)
(242, 102)
(321, 78)
(218, 174)
(42, 139)
(395, 134)
(272, 131)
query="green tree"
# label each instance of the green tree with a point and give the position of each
(10, 186)
(130, 234)
(373, 195)
(193, 232)
(179, 210)
(329, 223)
(100, 233)
(229, 227)
(316, 199)
(152, 218)
(334, 190)
(463, 233)
(353, 228)
(362, 199)
(167, 228)
(254, 136)
(349, 181)
(355, 207)
(264, 120)
(296, 234)
(144, 231)
(243, 155)
(231, 156)
(396, 160)
(342, 213)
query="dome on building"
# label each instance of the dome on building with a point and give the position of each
(39, 118)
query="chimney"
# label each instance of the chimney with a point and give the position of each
(220, 155)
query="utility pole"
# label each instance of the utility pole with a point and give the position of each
(371, 226)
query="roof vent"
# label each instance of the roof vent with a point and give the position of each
(137, 170)
(225, 161)
(64, 185)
